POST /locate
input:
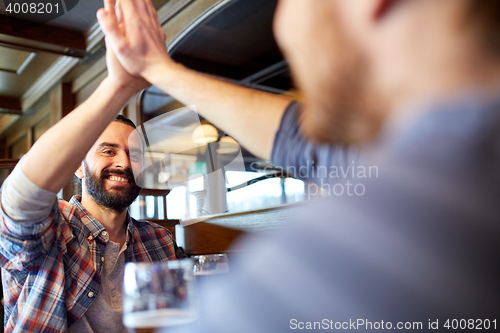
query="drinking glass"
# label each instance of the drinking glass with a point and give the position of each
(207, 266)
(159, 295)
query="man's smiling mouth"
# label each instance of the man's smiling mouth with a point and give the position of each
(118, 179)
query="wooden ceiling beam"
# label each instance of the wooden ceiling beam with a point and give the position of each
(29, 46)
(11, 105)
(41, 33)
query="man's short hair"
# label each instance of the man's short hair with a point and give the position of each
(123, 120)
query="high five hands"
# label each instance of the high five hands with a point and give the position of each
(136, 39)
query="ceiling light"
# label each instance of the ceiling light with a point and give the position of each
(228, 145)
(205, 134)
(163, 177)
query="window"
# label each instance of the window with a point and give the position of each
(233, 41)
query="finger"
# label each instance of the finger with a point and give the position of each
(109, 5)
(133, 16)
(141, 6)
(111, 30)
(162, 36)
(155, 22)
(119, 17)
(153, 16)
(132, 10)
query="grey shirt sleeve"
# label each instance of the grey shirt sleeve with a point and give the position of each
(303, 158)
(23, 201)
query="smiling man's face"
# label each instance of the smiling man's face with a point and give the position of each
(107, 169)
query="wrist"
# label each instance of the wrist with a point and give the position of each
(118, 89)
(162, 72)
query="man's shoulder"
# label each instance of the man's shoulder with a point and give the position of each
(154, 240)
(148, 227)
(65, 204)
(69, 210)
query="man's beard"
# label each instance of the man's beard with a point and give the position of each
(345, 113)
(117, 198)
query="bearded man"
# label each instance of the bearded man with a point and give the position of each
(416, 85)
(63, 262)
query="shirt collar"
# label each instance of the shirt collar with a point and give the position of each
(94, 227)
(130, 229)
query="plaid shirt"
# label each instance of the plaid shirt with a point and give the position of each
(52, 269)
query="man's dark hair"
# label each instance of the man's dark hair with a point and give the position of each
(121, 119)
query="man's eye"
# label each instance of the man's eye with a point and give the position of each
(108, 151)
(135, 157)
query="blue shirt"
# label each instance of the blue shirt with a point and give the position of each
(309, 161)
(419, 248)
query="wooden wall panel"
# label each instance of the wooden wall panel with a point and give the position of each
(87, 90)
(19, 148)
(34, 115)
(206, 238)
(41, 127)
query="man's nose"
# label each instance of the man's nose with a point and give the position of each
(122, 161)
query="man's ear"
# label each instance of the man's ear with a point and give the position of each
(79, 172)
(383, 7)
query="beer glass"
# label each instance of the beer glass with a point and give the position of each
(159, 295)
(207, 266)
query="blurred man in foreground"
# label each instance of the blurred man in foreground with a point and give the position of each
(416, 83)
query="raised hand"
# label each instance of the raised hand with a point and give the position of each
(120, 77)
(140, 48)
(116, 73)
(138, 41)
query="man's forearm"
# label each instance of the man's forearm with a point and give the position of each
(53, 159)
(252, 117)
(138, 41)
